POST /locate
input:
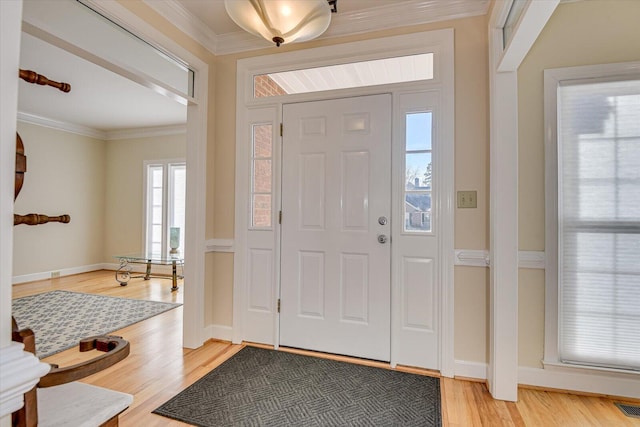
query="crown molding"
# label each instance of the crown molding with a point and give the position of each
(111, 135)
(63, 126)
(147, 132)
(412, 12)
(174, 12)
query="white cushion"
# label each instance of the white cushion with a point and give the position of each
(79, 405)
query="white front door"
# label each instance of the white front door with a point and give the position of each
(335, 258)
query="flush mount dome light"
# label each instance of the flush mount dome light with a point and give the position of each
(281, 21)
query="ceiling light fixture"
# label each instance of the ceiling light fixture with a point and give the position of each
(282, 21)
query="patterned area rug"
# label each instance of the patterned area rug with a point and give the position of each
(60, 319)
(259, 387)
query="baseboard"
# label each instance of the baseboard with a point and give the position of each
(602, 383)
(62, 272)
(466, 369)
(587, 382)
(219, 332)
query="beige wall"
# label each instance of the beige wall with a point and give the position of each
(124, 188)
(580, 33)
(65, 175)
(472, 173)
(99, 183)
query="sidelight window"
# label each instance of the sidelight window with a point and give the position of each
(418, 172)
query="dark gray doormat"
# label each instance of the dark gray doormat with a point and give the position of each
(259, 387)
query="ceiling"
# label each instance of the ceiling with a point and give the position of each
(104, 103)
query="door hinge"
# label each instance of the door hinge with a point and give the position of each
(281, 129)
(280, 217)
(278, 305)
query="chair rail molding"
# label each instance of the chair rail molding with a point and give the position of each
(219, 245)
(482, 258)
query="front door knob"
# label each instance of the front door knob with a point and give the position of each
(382, 238)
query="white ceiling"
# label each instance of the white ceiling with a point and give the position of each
(99, 99)
(104, 101)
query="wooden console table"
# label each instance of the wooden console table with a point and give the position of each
(123, 273)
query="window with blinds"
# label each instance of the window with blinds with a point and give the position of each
(599, 223)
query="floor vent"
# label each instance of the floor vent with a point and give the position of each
(629, 410)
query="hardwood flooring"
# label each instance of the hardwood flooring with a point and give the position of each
(158, 368)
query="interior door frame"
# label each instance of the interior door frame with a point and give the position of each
(440, 42)
(193, 331)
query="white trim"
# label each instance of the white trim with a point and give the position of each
(10, 21)
(219, 245)
(533, 19)
(552, 79)
(174, 12)
(482, 258)
(20, 371)
(601, 383)
(564, 378)
(63, 126)
(412, 12)
(502, 374)
(440, 41)
(197, 110)
(110, 135)
(472, 257)
(219, 332)
(44, 31)
(145, 132)
(45, 275)
(467, 369)
(531, 259)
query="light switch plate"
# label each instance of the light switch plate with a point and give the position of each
(467, 199)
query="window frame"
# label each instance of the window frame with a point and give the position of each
(167, 192)
(553, 79)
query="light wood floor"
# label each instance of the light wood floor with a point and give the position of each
(158, 368)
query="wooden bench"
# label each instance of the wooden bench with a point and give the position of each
(59, 400)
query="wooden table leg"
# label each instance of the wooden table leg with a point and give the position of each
(148, 272)
(174, 276)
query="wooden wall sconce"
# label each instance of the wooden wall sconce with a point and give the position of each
(21, 159)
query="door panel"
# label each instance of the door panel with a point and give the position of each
(336, 177)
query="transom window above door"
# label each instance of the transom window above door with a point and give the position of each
(400, 69)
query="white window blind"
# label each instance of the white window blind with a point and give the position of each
(599, 223)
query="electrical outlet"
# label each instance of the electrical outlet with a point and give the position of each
(55, 274)
(467, 199)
